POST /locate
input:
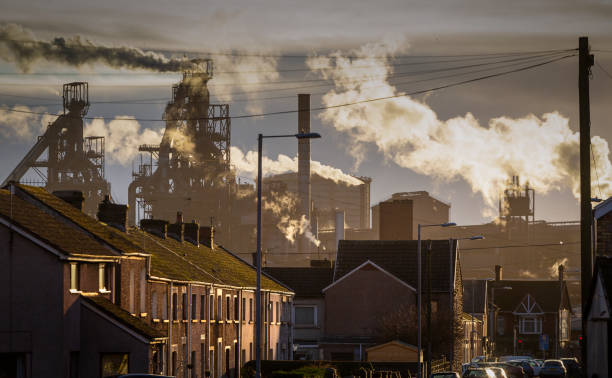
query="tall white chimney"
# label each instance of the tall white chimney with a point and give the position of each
(304, 164)
(339, 226)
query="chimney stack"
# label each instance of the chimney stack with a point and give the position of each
(561, 271)
(192, 232)
(303, 163)
(156, 227)
(113, 214)
(498, 272)
(339, 227)
(207, 236)
(73, 197)
(177, 230)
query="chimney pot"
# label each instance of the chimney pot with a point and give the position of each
(156, 227)
(73, 197)
(114, 215)
(192, 233)
(561, 271)
(179, 217)
(207, 236)
(498, 272)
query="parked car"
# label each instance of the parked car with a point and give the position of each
(526, 365)
(511, 370)
(513, 358)
(445, 374)
(553, 368)
(137, 375)
(479, 373)
(572, 367)
(499, 372)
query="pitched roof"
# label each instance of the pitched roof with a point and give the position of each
(185, 261)
(474, 296)
(549, 295)
(398, 257)
(48, 229)
(305, 282)
(603, 270)
(170, 258)
(123, 316)
(99, 230)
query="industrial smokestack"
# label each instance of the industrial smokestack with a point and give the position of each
(304, 163)
(339, 226)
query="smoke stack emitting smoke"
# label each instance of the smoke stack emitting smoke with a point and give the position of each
(19, 45)
(542, 150)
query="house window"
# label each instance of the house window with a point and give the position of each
(305, 315)
(228, 313)
(219, 308)
(194, 306)
(434, 307)
(154, 305)
(564, 326)
(236, 309)
(500, 325)
(243, 310)
(277, 313)
(211, 304)
(185, 307)
(530, 324)
(165, 307)
(174, 306)
(114, 363)
(102, 278)
(202, 307)
(250, 309)
(75, 281)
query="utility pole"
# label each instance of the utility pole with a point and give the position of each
(585, 61)
(429, 308)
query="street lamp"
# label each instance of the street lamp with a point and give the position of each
(494, 315)
(260, 139)
(419, 288)
(451, 301)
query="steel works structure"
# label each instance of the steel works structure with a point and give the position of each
(190, 169)
(62, 159)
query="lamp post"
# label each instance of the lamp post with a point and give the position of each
(260, 139)
(494, 315)
(420, 291)
(451, 296)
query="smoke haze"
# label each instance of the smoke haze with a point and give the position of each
(543, 150)
(18, 45)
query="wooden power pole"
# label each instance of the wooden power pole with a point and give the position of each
(585, 61)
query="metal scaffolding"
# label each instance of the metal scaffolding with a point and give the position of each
(73, 162)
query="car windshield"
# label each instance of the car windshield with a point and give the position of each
(552, 364)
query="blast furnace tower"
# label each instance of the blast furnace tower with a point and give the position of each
(189, 171)
(62, 159)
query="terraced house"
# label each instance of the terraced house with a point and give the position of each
(90, 298)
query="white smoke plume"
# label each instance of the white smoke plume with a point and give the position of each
(243, 74)
(282, 206)
(554, 269)
(122, 136)
(543, 151)
(246, 165)
(21, 123)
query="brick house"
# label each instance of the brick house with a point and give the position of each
(525, 311)
(475, 325)
(308, 306)
(376, 279)
(91, 297)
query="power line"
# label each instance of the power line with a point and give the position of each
(322, 108)
(301, 87)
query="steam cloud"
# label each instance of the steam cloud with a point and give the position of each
(18, 122)
(122, 137)
(281, 206)
(543, 150)
(246, 164)
(18, 45)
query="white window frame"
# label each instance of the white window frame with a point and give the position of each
(103, 278)
(315, 315)
(535, 320)
(75, 279)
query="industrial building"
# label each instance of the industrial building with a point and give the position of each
(62, 158)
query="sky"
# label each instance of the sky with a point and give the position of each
(292, 30)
